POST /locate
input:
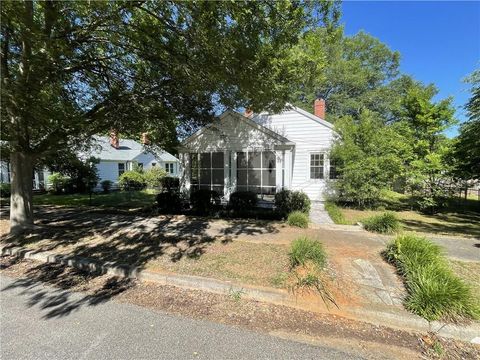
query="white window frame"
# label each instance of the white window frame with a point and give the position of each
(324, 165)
(118, 169)
(170, 168)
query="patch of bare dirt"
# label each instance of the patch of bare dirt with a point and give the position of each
(369, 340)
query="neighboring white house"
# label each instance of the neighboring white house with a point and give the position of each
(118, 155)
(262, 152)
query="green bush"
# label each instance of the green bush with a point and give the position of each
(204, 201)
(386, 223)
(106, 186)
(298, 219)
(335, 213)
(170, 183)
(154, 176)
(169, 202)
(5, 190)
(242, 201)
(305, 249)
(287, 201)
(58, 182)
(434, 292)
(132, 180)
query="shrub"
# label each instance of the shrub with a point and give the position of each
(335, 213)
(170, 183)
(305, 249)
(298, 219)
(58, 182)
(203, 201)
(131, 180)
(243, 201)
(287, 201)
(5, 190)
(106, 186)
(154, 176)
(434, 292)
(386, 223)
(169, 202)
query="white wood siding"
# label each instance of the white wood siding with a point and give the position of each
(309, 136)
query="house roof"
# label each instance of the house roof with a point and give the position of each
(245, 119)
(127, 150)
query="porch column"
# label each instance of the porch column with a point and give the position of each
(226, 174)
(288, 168)
(278, 169)
(185, 172)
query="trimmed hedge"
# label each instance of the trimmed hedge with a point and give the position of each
(169, 202)
(243, 201)
(287, 201)
(204, 201)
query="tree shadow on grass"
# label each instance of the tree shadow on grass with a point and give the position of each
(122, 241)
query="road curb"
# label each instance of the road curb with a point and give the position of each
(470, 333)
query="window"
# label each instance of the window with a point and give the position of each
(316, 166)
(207, 171)
(169, 168)
(154, 164)
(121, 168)
(256, 172)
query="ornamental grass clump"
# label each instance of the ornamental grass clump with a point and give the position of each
(434, 291)
(386, 223)
(298, 219)
(305, 249)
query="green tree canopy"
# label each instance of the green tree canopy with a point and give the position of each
(73, 69)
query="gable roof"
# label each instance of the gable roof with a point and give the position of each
(127, 150)
(311, 116)
(245, 119)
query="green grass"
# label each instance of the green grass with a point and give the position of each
(305, 250)
(335, 213)
(434, 291)
(386, 223)
(298, 219)
(117, 199)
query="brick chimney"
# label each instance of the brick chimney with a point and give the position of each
(145, 140)
(319, 108)
(248, 113)
(114, 140)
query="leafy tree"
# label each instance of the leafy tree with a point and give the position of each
(424, 124)
(467, 148)
(369, 157)
(73, 69)
(356, 75)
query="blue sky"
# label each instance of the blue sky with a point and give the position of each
(439, 41)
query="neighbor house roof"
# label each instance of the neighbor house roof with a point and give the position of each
(127, 150)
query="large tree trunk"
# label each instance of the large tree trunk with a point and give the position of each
(21, 210)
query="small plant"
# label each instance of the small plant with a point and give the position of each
(434, 292)
(305, 249)
(106, 186)
(298, 219)
(5, 190)
(386, 223)
(236, 295)
(335, 213)
(287, 201)
(243, 201)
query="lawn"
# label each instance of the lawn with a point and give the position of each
(461, 219)
(117, 199)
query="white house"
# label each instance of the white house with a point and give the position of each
(262, 152)
(118, 155)
(115, 155)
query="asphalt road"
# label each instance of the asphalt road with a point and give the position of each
(29, 329)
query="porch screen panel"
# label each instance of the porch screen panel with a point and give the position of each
(207, 171)
(256, 172)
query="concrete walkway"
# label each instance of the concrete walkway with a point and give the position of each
(318, 214)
